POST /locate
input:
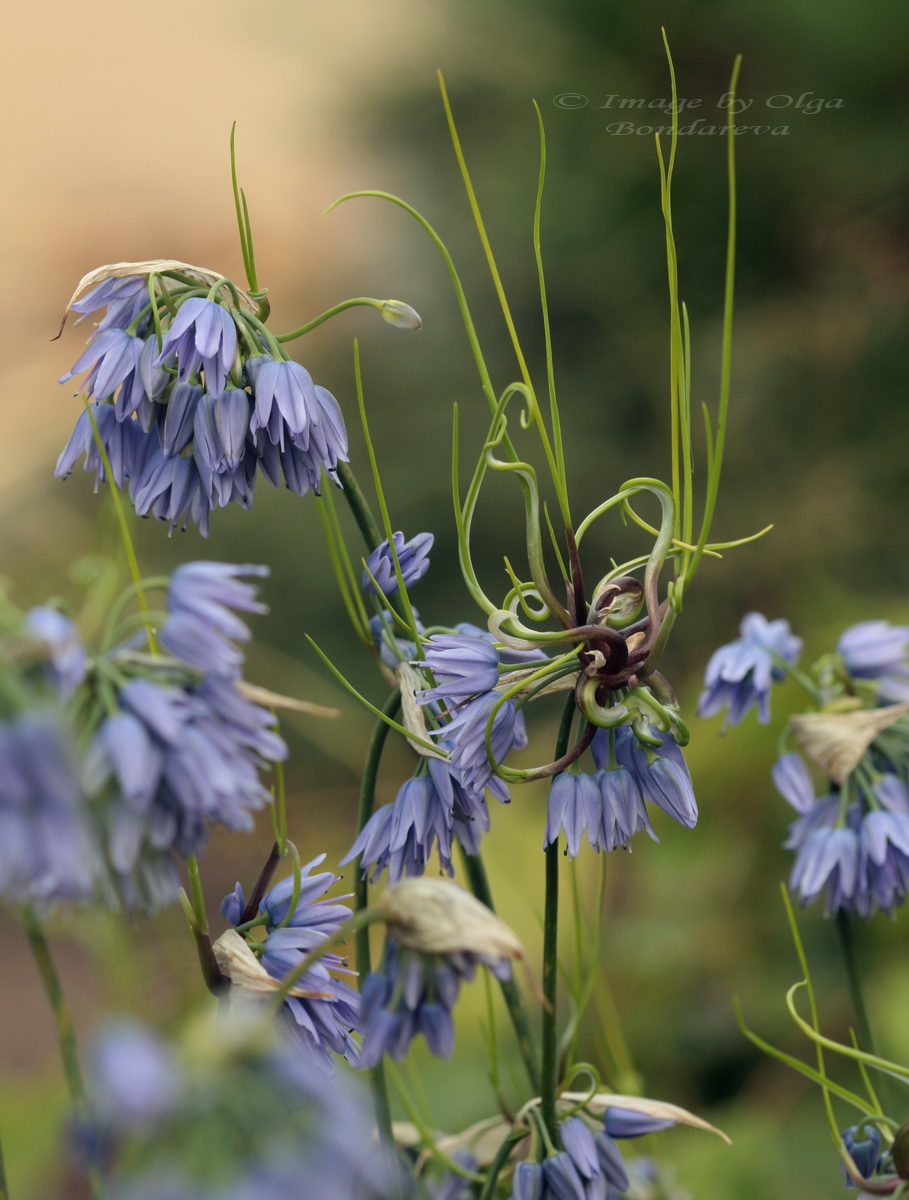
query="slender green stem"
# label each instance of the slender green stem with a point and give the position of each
(846, 934)
(66, 1036)
(53, 989)
(511, 993)
(488, 1190)
(198, 898)
(4, 1190)
(377, 1082)
(364, 812)
(550, 1059)
(549, 1070)
(330, 312)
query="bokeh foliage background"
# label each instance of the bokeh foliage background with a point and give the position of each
(115, 149)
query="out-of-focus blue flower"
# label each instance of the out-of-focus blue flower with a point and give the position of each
(275, 1126)
(46, 851)
(413, 559)
(829, 857)
(793, 781)
(855, 843)
(66, 654)
(134, 1078)
(320, 1027)
(864, 1146)
(401, 835)
(202, 601)
(185, 750)
(740, 674)
(453, 1186)
(878, 650)
(202, 334)
(413, 994)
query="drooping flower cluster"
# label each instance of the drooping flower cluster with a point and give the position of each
(609, 806)
(274, 1125)
(181, 746)
(589, 1166)
(446, 800)
(321, 1027)
(852, 841)
(188, 409)
(437, 936)
(740, 674)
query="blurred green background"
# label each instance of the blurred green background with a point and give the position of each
(117, 150)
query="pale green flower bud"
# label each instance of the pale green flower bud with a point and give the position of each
(401, 315)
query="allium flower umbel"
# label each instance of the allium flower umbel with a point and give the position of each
(853, 843)
(609, 807)
(437, 936)
(320, 1027)
(740, 674)
(185, 748)
(187, 425)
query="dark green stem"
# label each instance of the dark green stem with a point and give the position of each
(374, 750)
(4, 1190)
(550, 1060)
(847, 945)
(488, 1190)
(372, 536)
(54, 992)
(66, 1035)
(511, 993)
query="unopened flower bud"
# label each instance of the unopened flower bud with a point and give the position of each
(401, 315)
(434, 916)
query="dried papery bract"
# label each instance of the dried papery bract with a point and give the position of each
(435, 916)
(151, 266)
(838, 741)
(248, 978)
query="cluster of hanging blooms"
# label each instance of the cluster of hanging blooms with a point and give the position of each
(460, 682)
(437, 935)
(118, 762)
(271, 1120)
(851, 842)
(188, 397)
(321, 1010)
(191, 396)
